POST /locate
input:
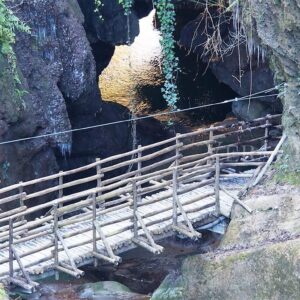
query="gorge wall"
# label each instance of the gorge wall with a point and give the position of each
(277, 25)
(59, 65)
(59, 78)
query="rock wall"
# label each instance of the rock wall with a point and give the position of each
(230, 63)
(277, 25)
(259, 257)
(60, 82)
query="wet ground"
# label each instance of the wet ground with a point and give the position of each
(141, 271)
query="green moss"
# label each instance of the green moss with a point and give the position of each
(283, 173)
(3, 295)
(269, 272)
(10, 97)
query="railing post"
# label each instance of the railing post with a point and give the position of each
(11, 254)
(99, 182)
(177, 153)
(210, 143)
(217, 185)
(61, 190)
(175, 196)
(55, 228)
(135, 200)
(267, 132)
(138, 174)
(21, 190)
(94, 229)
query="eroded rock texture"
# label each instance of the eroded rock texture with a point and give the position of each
(259, 257)
(278, 27)
(230, 61)
(59, 74)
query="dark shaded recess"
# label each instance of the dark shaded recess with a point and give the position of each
(142, 8)
(143, 271)
(112, 26)
(243, 74)
(184, 15)
(105, 141)
(198, 86)
(103, 52)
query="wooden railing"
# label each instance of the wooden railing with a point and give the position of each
(196, 157)
(152, 163)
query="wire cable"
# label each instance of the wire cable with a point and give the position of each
(253, 96)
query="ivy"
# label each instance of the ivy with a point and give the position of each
(9, 24)
(166, 15)
(127, 5)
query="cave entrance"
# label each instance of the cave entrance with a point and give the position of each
(134, 79)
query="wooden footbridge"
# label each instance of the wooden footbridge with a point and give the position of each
(96, 212)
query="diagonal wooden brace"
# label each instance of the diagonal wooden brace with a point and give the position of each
(151, 245)
(189, 230)
(112, 258)
(72, 269)
(30, 283)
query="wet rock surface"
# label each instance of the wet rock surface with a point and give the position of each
(59, 79)
(135, 278)
(278, 28)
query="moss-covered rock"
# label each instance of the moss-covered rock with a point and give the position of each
(259, 257)
(3, 295)
(171, 288)
(107, 290)
(10, 102)
(267, 272)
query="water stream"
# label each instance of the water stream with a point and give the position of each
(134, 69)
(140, 271)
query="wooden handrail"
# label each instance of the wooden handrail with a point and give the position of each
(143, 148)
(116, 186)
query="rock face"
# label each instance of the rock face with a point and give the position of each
(259, 257)
(59, 76)
(278, 28)
(233, 66)
(109, 290)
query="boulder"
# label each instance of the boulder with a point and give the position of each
(107, 290)
(259, 257)
(3, 295)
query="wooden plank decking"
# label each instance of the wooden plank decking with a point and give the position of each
(119, 234)
(172, 186)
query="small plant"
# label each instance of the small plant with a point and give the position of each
(283, 172)
(9, 24)
(127, 5)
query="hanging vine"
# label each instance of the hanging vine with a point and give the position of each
(166, 15)
(165, 10)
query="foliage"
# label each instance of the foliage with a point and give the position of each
(98, 6)
(9, 24)
(166, 15)
(283, 173)
(127, 5)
